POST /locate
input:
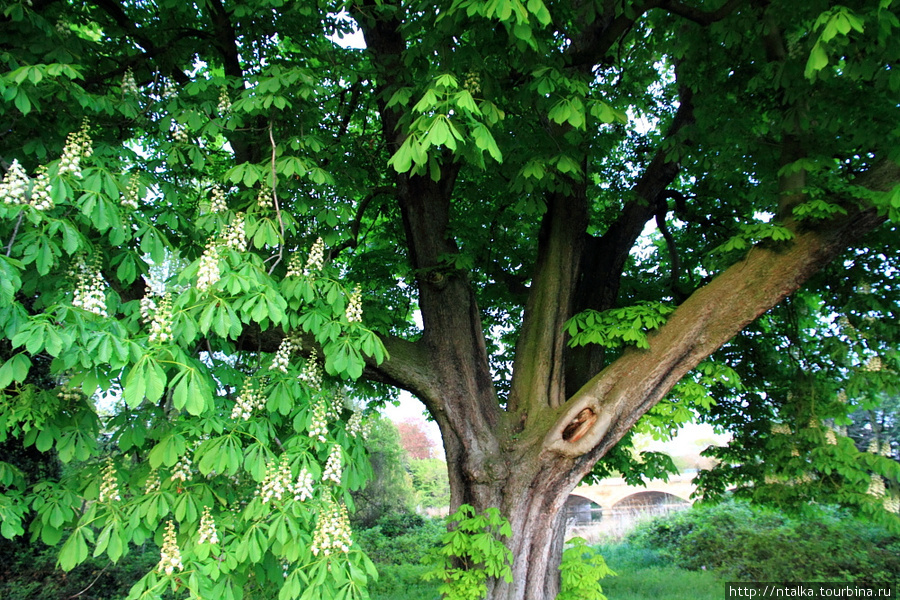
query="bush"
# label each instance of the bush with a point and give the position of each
(29, 572)
(749, 543)
(401, 538)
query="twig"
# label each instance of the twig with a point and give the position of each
(91, 584)
(275, 200)
(14, 233)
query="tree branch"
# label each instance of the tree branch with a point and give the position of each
(715, 313)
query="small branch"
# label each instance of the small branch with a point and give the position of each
(91, 584)
(275, 200)
(670, 242)
(15, 233)
(357, 220)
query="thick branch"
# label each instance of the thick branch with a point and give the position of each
(538, 378)
(712, 316)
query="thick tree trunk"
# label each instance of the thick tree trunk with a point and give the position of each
(531, 497)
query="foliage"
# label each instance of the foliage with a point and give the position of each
(429, 481)
(401, 538)
(472, 551)
(217, 223)
(389, 491)
(581, 570)
(747, 543)
(30, 572)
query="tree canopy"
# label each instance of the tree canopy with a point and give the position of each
(552, 221)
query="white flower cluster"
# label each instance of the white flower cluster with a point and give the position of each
(89, 288)
(180, 134)
(40, 193)
(303, 488)
(147, 308)
(780, 429)
(67, 394)
(874, 446)
(283, 355)
(876, 486)
(208, 271)
(218, 203)
(278, 481)
(873, 365)
(168, 89)
(78, 146)
(250, 400)
(336, 406)
(109, 486)
(129, 85)
(886, 449)
(295, 266)
(14, 185)
(333, 466)
(234, 237)
(152, 483)
(332, 530)
(472, 83)
(357, 427)
(316, 260)
(224, 106)
(892, 504)
(161, 323)
(264, 197)
(132, 194)
(182, 470)
(842, 397)
(354, 306)
(318, 428)
(830, 437)
(312, 371)
(208, 531)
(170, 555)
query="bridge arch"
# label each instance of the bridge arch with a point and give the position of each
(648, 499)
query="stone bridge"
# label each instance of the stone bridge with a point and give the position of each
(614, 493)
(613, 506)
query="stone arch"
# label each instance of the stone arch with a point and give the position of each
(649, 499)
(580, 510)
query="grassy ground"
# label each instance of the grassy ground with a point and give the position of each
(641, 575)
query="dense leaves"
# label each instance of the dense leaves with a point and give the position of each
(214, 219)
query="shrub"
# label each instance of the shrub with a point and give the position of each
(750, 543)
(401, 538)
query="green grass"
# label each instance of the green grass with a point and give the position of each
(642, 574)
(403, 582)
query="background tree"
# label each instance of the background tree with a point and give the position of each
(414, 439)
(492, 165)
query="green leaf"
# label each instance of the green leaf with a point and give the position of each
(818, 60)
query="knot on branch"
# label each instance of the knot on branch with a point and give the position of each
(579, 428)
(580, 425)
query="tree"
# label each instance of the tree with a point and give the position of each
(493, 165)
(390, 490)
(414, 439)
